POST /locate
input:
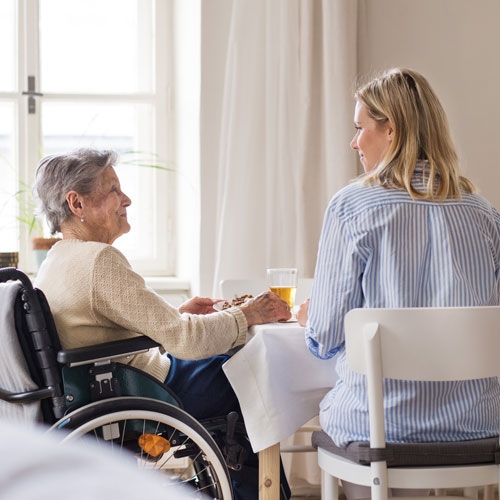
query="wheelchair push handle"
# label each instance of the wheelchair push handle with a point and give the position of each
(32, 304)
(14, 274)
(28, 396)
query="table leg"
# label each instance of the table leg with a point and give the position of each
(269, 473)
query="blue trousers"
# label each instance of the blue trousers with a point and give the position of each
(205, 392)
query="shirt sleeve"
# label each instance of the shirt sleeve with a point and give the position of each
(336, 287)
(121, 299)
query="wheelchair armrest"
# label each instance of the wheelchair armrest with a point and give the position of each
(106, 351)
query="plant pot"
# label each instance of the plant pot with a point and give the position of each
(9, 259)
(41, 246)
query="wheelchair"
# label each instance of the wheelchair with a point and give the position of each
(86, 392)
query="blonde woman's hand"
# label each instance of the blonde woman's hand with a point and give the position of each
(303, 313)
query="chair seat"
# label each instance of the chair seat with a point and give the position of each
(480, 451)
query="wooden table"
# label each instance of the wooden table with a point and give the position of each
(269, 473)
(279, 385)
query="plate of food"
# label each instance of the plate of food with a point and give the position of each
(236, 302)
(239, 301)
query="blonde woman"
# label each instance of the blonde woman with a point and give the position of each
(410, 232)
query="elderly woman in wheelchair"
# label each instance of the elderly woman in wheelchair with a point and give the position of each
(96, 299)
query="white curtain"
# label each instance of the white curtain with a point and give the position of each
(285, 131)
(285, 128)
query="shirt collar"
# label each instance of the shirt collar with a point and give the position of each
(422, 166)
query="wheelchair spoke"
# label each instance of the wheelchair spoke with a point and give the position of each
(190, 479)
(97, 438)
(189, 455)
(143, 431)
(123, 435)
(172, 435)
(194, 460)
(161, 464)
(208, 486)
(207, 469)
(197, 473)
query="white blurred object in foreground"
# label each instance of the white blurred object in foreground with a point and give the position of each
(35, 464)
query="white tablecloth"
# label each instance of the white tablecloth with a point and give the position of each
(278, 382)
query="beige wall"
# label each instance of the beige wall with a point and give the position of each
(456, 45)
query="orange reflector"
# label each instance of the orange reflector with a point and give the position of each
(153, 445)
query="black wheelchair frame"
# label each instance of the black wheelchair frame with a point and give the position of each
(85, 391)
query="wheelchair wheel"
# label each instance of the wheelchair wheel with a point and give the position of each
(161, 436)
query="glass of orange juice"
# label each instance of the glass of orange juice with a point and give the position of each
(283, 282)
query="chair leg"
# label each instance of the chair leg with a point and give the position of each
(379, 480)
(329, 486)
(379, 492)
(471, 493)
(489, 492)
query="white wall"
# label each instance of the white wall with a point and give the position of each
(455, 44)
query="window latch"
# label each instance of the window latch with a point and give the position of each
(31, 93)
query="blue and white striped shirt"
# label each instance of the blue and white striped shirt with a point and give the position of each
(381, 248)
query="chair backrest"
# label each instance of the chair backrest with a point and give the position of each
(455, 343)
(425, 344)
(231, 288)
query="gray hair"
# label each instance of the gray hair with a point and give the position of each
(56, 175)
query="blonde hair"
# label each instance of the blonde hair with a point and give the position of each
(421, 132)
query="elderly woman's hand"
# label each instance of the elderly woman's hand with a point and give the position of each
(198, 305)
(303, 313)
(265, 308)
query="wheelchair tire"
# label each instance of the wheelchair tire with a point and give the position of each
(194, 457)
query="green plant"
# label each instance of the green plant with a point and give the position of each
(28, 209)
(143, 159)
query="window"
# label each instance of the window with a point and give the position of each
(8, 126)
(89, 73)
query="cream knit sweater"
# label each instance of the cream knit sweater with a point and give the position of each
(96, 297)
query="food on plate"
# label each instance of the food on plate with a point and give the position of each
(237, 301)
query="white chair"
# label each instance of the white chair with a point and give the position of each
(426, 344)
(232, 288)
